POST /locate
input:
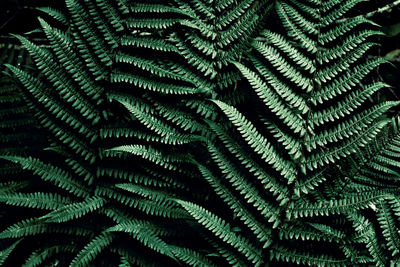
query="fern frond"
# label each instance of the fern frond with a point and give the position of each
(39, 256)
(273, 102)
(223, 230)
(347, 105)
(56, 14)
(333, 154)
(143, 232)
(28, 227)
(92, 249)
(326, 208)
(368, 236)
(39, 200)
(50, 173)
(164, 160)
(191, 257)
(6, 252)
(269, 182)
(256, 141)
(151, 85)
(389, 228)
(74, 210)
(292, 256)
(263, 234)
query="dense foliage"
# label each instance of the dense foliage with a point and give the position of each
(199, 133)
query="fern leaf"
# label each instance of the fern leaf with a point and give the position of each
(221, 229)
(50, 173)
(90, 251)
(6, 252)
(74, 210)
(258, 142)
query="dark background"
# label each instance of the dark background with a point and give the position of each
(20, 16)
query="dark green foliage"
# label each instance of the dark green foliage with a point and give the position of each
(195, 133)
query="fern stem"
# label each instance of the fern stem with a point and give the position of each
(387, 8)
